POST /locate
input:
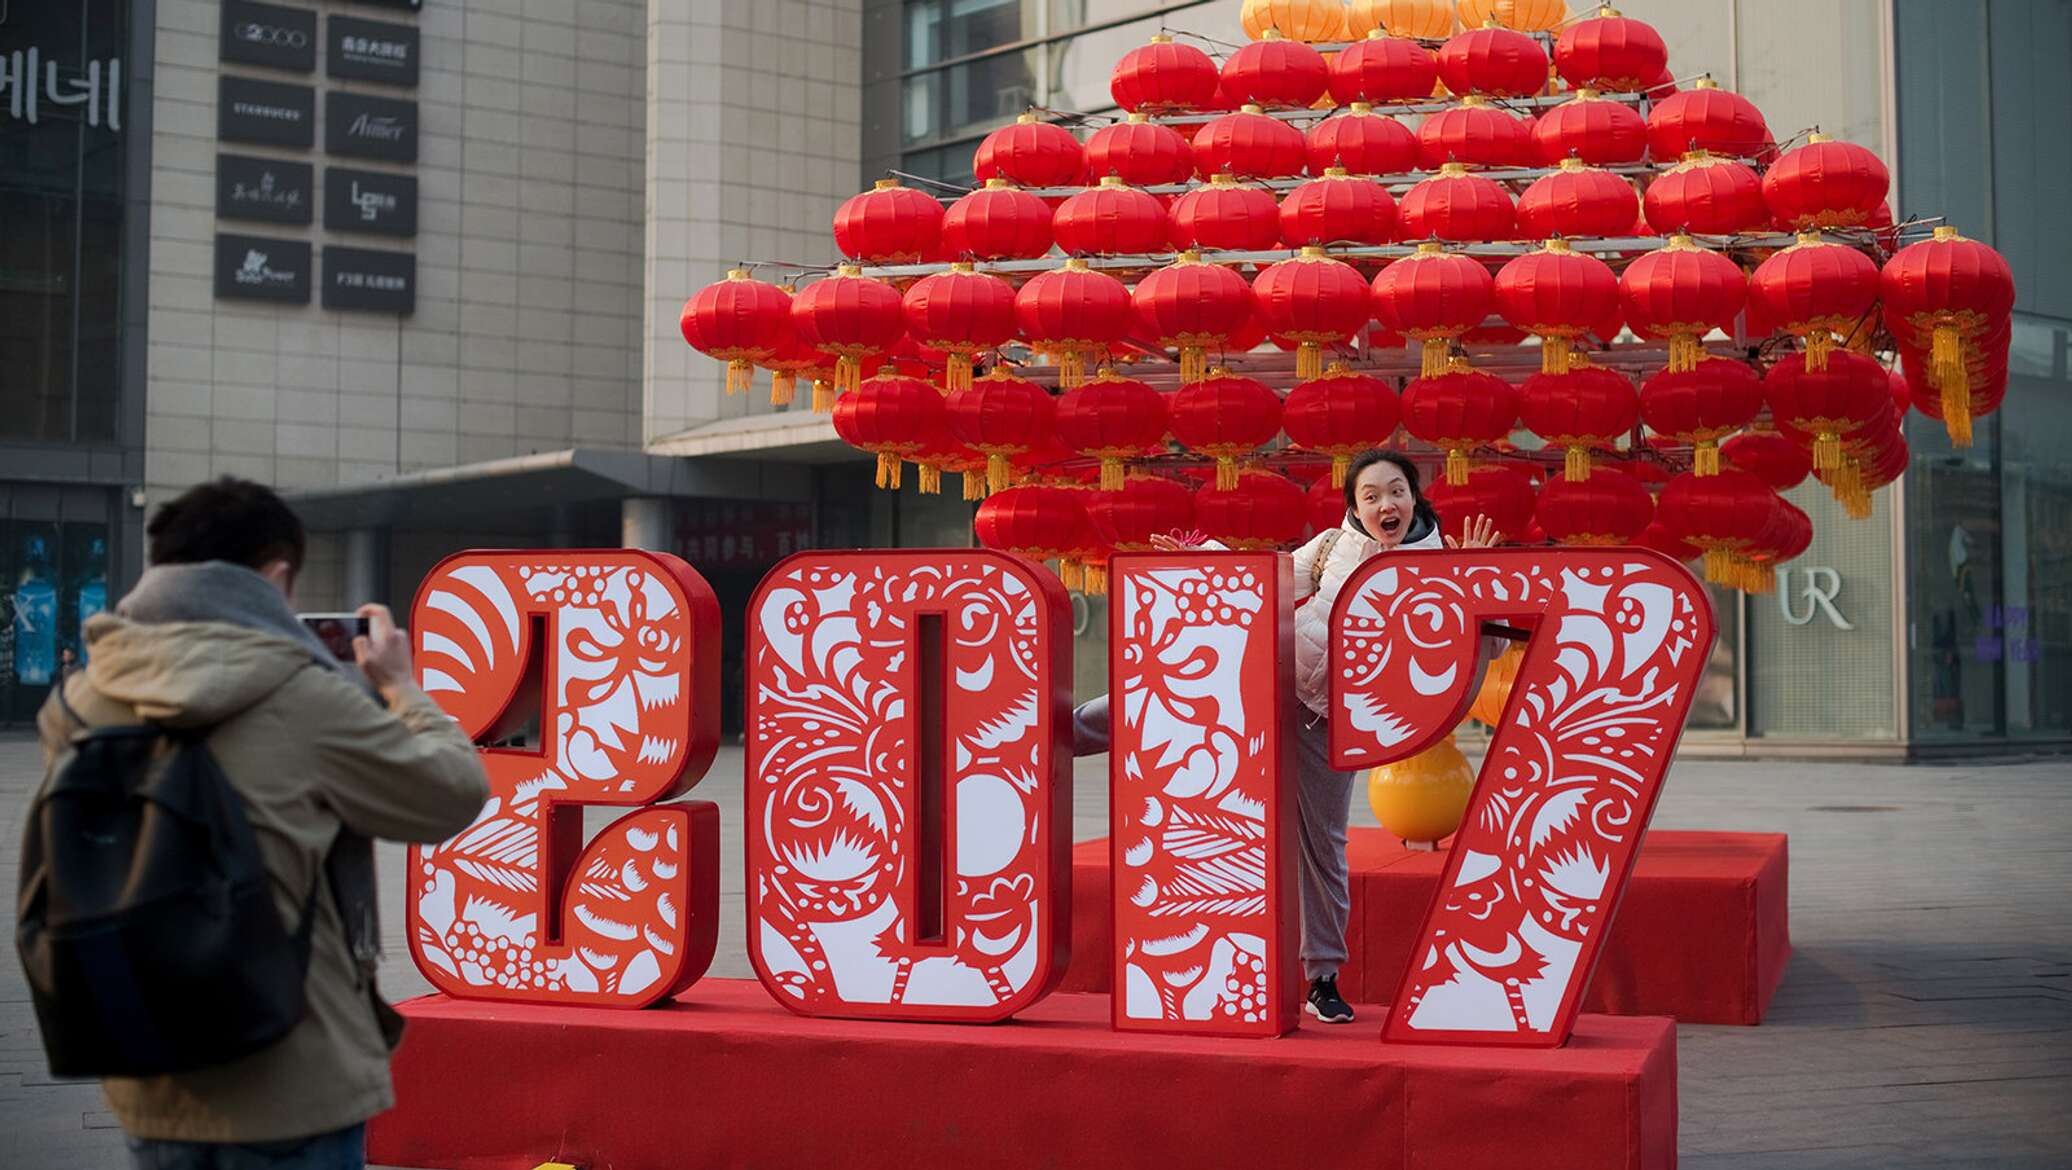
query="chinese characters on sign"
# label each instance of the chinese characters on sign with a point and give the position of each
(264, 189)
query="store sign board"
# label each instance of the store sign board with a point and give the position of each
(269, 113)
(370, 127)
(370, 201)
(268, 190)
(269, 35)
(362, 278)
(261, 268)
(370, 50)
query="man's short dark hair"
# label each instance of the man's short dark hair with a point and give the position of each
(227, 519)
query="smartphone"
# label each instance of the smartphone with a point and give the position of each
(336, 631)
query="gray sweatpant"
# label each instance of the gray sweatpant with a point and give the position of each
(1323, 804)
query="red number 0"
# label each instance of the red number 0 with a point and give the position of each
(618, 652)
(1619, 641)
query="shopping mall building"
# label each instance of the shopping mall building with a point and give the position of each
(419, 263)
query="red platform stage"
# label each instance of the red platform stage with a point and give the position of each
(1702, 935)
(723, 1076)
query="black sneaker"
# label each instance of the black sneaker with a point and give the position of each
(1326, 1004)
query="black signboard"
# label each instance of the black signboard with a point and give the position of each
(370, 201)
(410, 5)
(370, 50)
(358, 278)
(370, 127)
(260, 268)
(266, 189)
(269, 35)
(270, 113)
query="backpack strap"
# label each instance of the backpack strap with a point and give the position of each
(1323, 557)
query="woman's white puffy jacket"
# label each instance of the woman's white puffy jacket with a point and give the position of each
(1349, 549)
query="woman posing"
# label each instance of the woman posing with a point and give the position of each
(1384, 509)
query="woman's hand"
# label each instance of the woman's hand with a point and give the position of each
(1176, 541)
(1479, 532)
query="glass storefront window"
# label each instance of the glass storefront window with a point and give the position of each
(1820, 662)
(61, 204)
(942, 30)
(974, 96)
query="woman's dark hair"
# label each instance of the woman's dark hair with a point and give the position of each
(1421, 508)
(227, 519)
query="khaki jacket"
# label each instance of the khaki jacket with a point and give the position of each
(310, 752)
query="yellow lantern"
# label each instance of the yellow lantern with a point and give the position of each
(1423, 798)
(1523, 15)
(1298, 20)
(1496, 685)
(1429, 19)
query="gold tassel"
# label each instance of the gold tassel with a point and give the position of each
(1762, 578)
(1575, 465)
(1956, 412)
(1819, 343)
(1705, 457)
(974, 484)
(1435, 357)
(1719, 566)
(848, 374)
(1193, 359)
(999, 473)
(1226, 473)
(1683, 351)
(931, 480)
(1071, 369)
(1554, 355)
(783, 386)
(740, 375)
(888, 471)
(957, 374)
(1309, 360)
(1340, 464)
(1827, 451)
(1946, 359)
(1456, 467)
(1111, 474)
(1069, 574)
(823, 396)
(1094, 578)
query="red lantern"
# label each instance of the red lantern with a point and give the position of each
(1146, 506)
(1605, 507)
(1590, 128)
(1312, 300)
(1276, 74)
(1459, 411)
(1706, 117)
(1001, 415)
(1829, 404)
(1577, 200)
(1726, 515)
(791, 358)
(1164, 77)
(1363, 142)
(1704, 193)
(1041, 522)
(1815, 289)
(891, 417)
(1029, 152)
(997, 222)
(1326, 505)
(1610, 52)
(961, 313)
(1788, 534)
(1477, 133)
(1340, 414)
(1500, 491)
(889, 224)
(1584, 408)
(1225, 417)
(1681, 291)
(1557, 294)
(1338, 209)
(1141, 152)
(1383, 68)
(849, 317)
(1249, 145)
(1225, 215)
(1702, 405)
(1497, 62)
(1073, 314)
(1433, 297)
(1111, 219)
(1825, 183)
(1455, 205)
(1955, 295)
(740, 321)
(1259, 510)
(1768, 456)
(1657, 536)
(1193, 307)
(1112, 418)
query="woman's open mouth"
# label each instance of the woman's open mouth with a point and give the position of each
(1391, 524)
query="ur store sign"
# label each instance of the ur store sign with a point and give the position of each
(908, 797)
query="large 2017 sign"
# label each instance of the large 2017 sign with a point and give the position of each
(908, 778)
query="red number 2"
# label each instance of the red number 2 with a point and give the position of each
(1619, 642)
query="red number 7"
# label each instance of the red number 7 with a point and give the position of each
(1619, 641)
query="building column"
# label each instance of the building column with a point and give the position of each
(644, 523)
(366, 566)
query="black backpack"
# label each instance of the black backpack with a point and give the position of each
(146, 922)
